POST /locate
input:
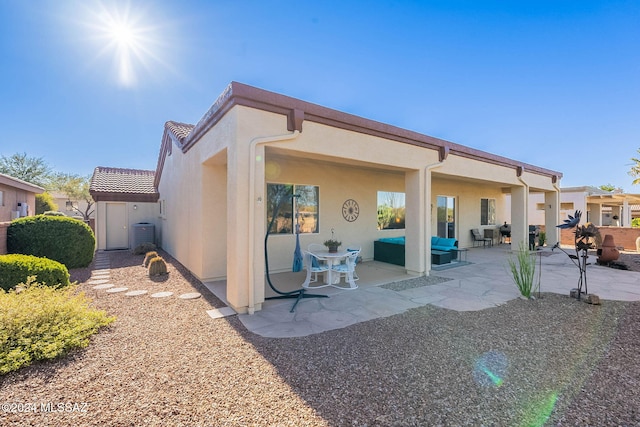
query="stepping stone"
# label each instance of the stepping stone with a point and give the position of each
(101, 271)
(102, 267)
(100, 277)
(218, 313)
(114, 290)
(191, 295)
(161, 294)
(135, 293)
(97, 282)
(105, 286)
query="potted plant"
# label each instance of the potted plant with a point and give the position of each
(332, 243)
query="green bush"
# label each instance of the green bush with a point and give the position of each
(16, 268)
(44, 203)
(63, 239)
(53, 213)
(39, 322)
(143, 248)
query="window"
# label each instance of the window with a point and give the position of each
(1, 198)
(487, 211)
(304, 210)
(391, 210)
(568, 206)
(540, 206)
(70, 206)
(163, 213)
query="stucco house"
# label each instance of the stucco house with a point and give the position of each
(602, 208)
(17, 199)
(126, 200)
(217, 183)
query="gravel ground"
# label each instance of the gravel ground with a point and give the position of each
(165, 362)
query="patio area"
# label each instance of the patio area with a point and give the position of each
(385, 290)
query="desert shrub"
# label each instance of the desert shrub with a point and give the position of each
(53, 213)
(148, 257)
(40, 323)
(157, 266)
(44, 203)
(16, 268)
(143, 248)
(523, 270)
(60, 238)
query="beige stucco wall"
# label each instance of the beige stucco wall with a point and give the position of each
(194, 189)
(11, 197)
(136, 213)
(467, 196)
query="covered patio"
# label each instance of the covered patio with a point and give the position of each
(385, 290)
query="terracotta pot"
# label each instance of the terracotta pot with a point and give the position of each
(608, 252)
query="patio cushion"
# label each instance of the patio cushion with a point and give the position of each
(443, 244)
(394, 240)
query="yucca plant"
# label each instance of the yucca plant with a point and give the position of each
(523, 270)
(148, 256)
(157, 266)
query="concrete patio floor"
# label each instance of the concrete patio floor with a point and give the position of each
(483, 283)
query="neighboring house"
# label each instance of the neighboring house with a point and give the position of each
(70, 207)
(218, 183)
(602, 208)
(126, 199)
(17, 199)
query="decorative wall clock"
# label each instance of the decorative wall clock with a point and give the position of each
(350, 210)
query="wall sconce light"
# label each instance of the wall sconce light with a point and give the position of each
(135, 207)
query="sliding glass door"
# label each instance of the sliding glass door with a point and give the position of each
(446, 215)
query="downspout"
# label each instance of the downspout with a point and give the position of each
(261, 140)
(554, 182)
(519, 173)
(443, 152)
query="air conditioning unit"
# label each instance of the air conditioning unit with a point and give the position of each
(143, 232)
(23, 208)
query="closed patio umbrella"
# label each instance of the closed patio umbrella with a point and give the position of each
(297, 254)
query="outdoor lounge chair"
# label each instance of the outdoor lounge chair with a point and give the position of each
(477, 237)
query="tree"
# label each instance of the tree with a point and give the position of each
(31, 169)
(44, 203)
(607, 187)
(635, 170)
(76, 188)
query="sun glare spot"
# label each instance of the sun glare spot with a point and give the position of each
(122, 34)
(133, 45)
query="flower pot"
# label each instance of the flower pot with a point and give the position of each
(333, 249)
(609, 252)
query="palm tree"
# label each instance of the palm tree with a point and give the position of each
(635, 169)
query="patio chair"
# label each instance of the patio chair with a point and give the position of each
(347, 270)
(477, 237)
(351, 248)
(314, 265)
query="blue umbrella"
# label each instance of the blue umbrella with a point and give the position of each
(297, 254)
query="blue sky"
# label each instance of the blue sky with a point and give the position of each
(553, 83)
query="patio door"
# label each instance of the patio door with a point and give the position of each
(446, 214)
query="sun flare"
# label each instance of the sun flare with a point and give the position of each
(125, 36)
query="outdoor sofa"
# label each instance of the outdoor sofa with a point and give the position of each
(391, 249)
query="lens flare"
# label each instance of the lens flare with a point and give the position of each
(490, 369)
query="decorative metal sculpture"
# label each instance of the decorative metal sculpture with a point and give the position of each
(585, 238)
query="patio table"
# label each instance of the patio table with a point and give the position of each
(333, 258)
